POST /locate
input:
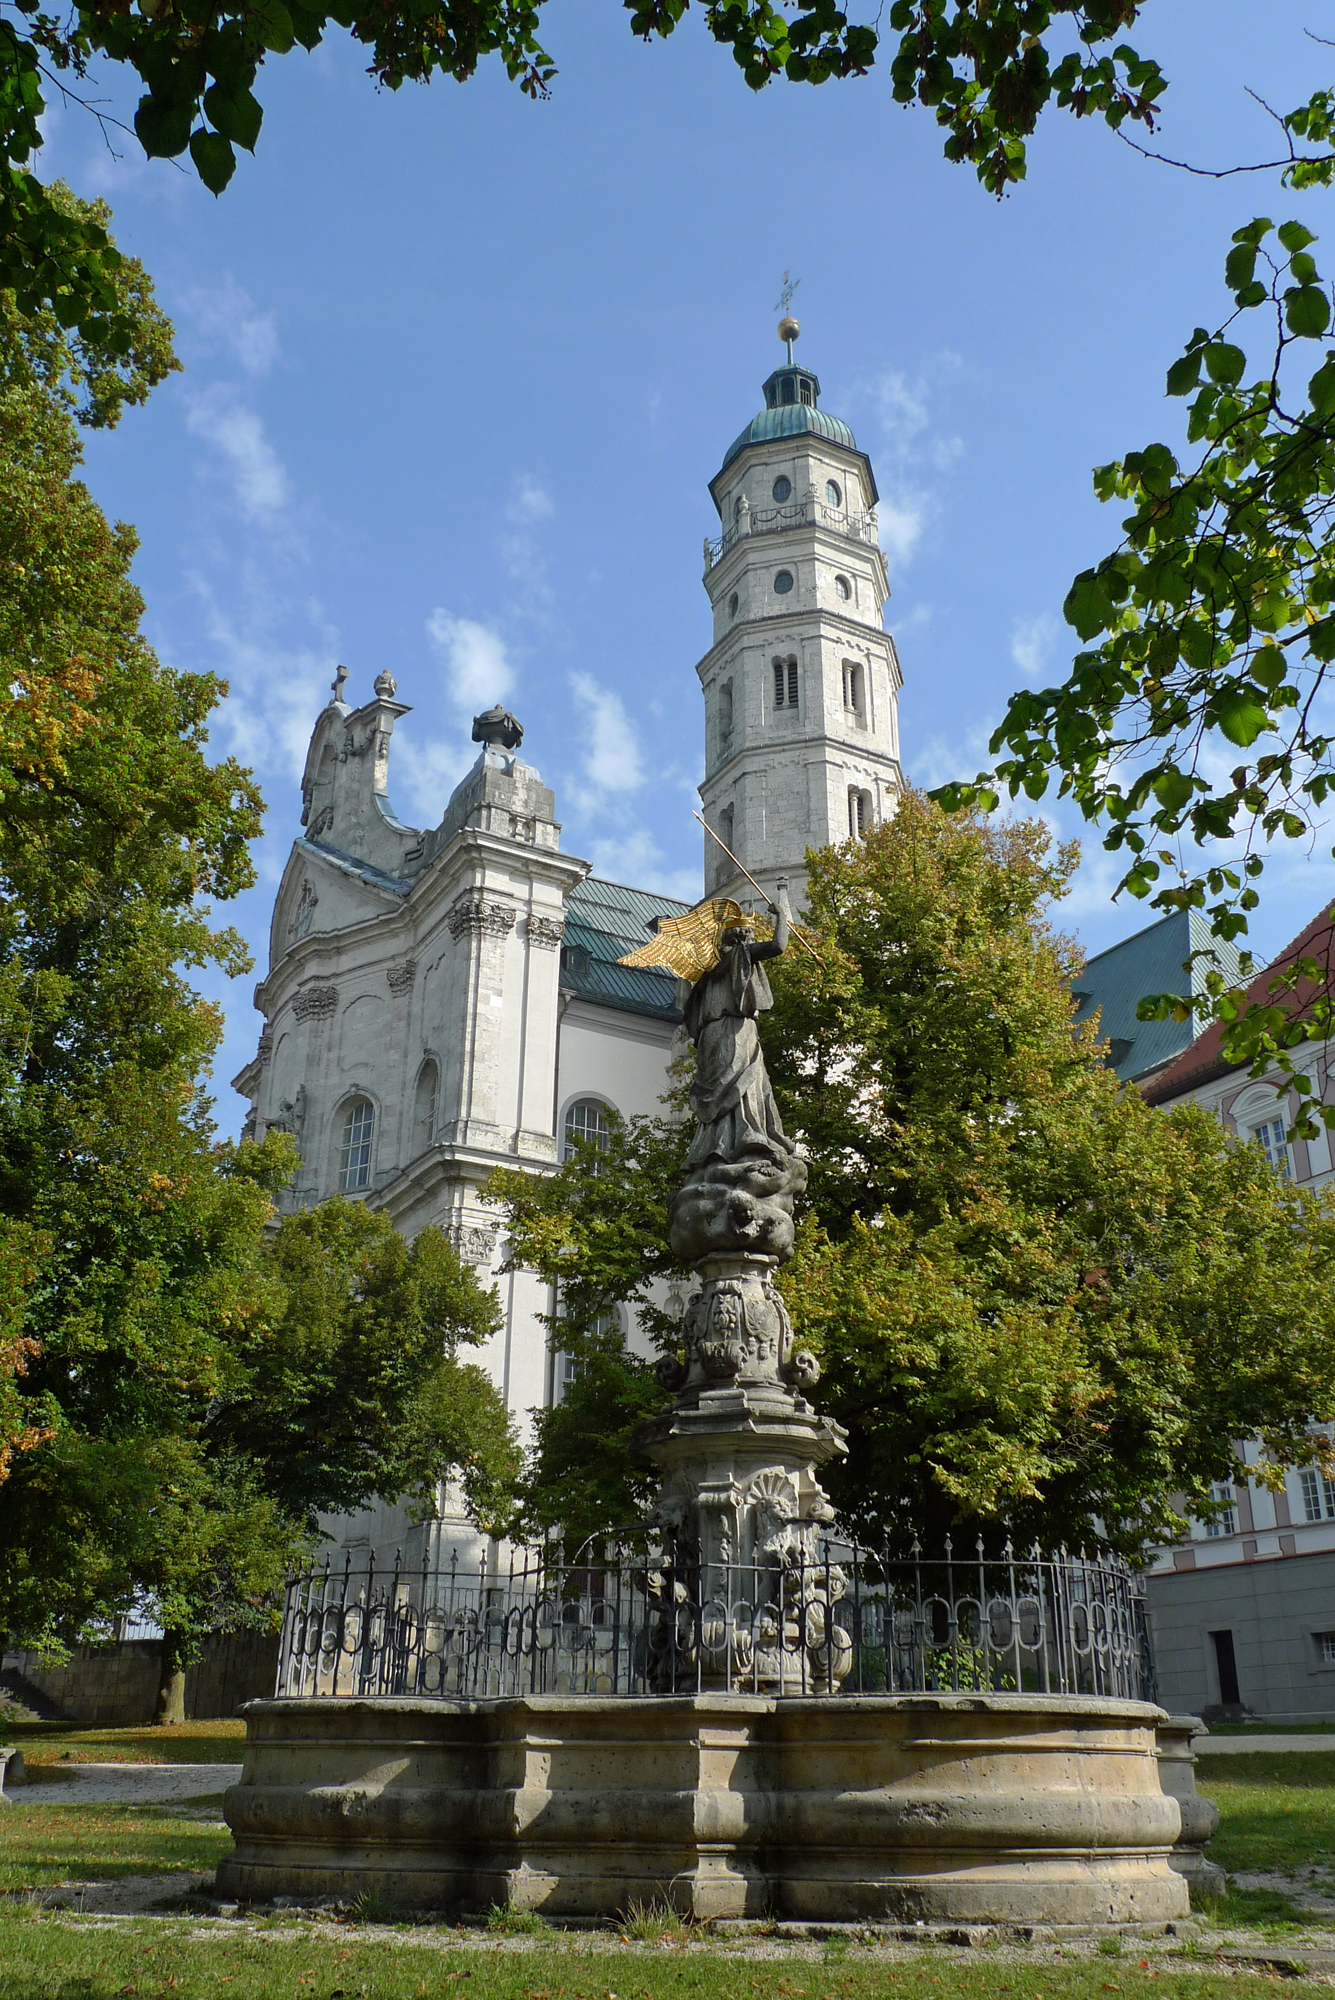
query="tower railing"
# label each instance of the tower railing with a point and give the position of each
(631, 1617)
(797, 514)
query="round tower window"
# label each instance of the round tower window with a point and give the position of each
(783, 582)
(783, 489)
(732, 605)
(843, 586)
(832, 493)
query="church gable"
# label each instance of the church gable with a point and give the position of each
(322, 892)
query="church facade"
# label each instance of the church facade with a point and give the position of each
(444, 1001)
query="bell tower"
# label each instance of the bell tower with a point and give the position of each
(802, 681)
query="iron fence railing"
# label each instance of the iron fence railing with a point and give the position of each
(797, 514)
(631, 1618)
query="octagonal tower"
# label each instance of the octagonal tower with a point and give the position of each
(802, 681)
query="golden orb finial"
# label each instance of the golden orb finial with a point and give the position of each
(789, 329)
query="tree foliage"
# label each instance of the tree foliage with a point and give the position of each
(1037, 1301)
(178, 1396)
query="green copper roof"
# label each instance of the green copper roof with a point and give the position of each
(604, 920)
(791, 420)
(1115, 981)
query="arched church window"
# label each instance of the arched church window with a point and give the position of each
(722, 865)
(354, 1169)
(805, 389)
(424, 1106)
(586, 1120)
(853, 687)
(859, 813)
(783, 582)
(725, 719)
(785, 682)
(843, 587)
(786, 394)
(783, 490)
(732, 605)
(832, 493)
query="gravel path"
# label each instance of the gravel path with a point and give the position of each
(1244, 1746)
(123, 1784)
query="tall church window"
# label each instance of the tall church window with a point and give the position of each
(785, 682)
(859, 813)
(424, 1106)
(853, 687)
(1225, 1523)
(354, 1169)
(722, 865)
(586, 1120)
(725, 719)
(805, 389)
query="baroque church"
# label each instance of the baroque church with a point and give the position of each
(441, 1002)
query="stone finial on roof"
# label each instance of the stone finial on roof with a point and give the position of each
(385, 685)
(497, 726)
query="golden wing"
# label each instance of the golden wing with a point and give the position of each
(689, 945)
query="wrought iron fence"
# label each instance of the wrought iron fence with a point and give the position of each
(631, 1618)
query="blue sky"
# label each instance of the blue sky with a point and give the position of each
(458, 369)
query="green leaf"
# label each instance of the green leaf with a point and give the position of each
(1173, 788)
(163, 127)
(1321, 388)
(1185, 373)
(1240, 716)
(236, 114)
(215, 162)
(1088, 604)
(1306, 310)
(1240, 266)
(1224, 363)
(274, 23)
(1294, 237)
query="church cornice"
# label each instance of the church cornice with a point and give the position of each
(833, 543)
(831, 749)
(800, 443)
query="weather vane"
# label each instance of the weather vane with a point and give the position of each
(788, 326)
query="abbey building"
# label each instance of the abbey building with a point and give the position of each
(440, 1002)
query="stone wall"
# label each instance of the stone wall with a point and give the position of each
(956, 1808)
(117, 1685)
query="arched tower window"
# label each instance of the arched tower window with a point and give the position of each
(722, 865)
(424, 1106)
(853, 688)
(354, 1165)
(725, 719)
(859, 812)
(586, 1120)
(785, 682)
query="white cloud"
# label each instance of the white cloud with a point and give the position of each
(1032, 643)
(226, 317)
(259, 480)
(530, 501)
(901, 523)
(912, 458)
(474, 658)
(637, 858)
(423, 775)
(612, 759)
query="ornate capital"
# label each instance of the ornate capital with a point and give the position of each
(474, 1244)
(477, 914)
(265, 1050)
(313, 1003)
(545, 932)
(400, 977)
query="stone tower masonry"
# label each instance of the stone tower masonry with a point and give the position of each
(801, 682)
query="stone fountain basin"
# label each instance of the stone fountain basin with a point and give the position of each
(963, 1808)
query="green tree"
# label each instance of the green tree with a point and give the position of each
(1037, 1301)
(178, 1396)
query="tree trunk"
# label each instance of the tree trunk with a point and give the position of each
(170, 1709)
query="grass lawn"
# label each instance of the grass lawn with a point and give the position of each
(55, 1958)
(1277, 1813)
(43, 1845)
(190, 1743)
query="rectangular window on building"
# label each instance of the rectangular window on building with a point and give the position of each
(1227, 1522)
(778, 684)
(1318, 1495)
(852, 687)
(792, 683)
(1270, 1137)
(1325, 1648)
(725, 719)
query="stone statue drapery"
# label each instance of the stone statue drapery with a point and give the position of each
(733, 1103)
